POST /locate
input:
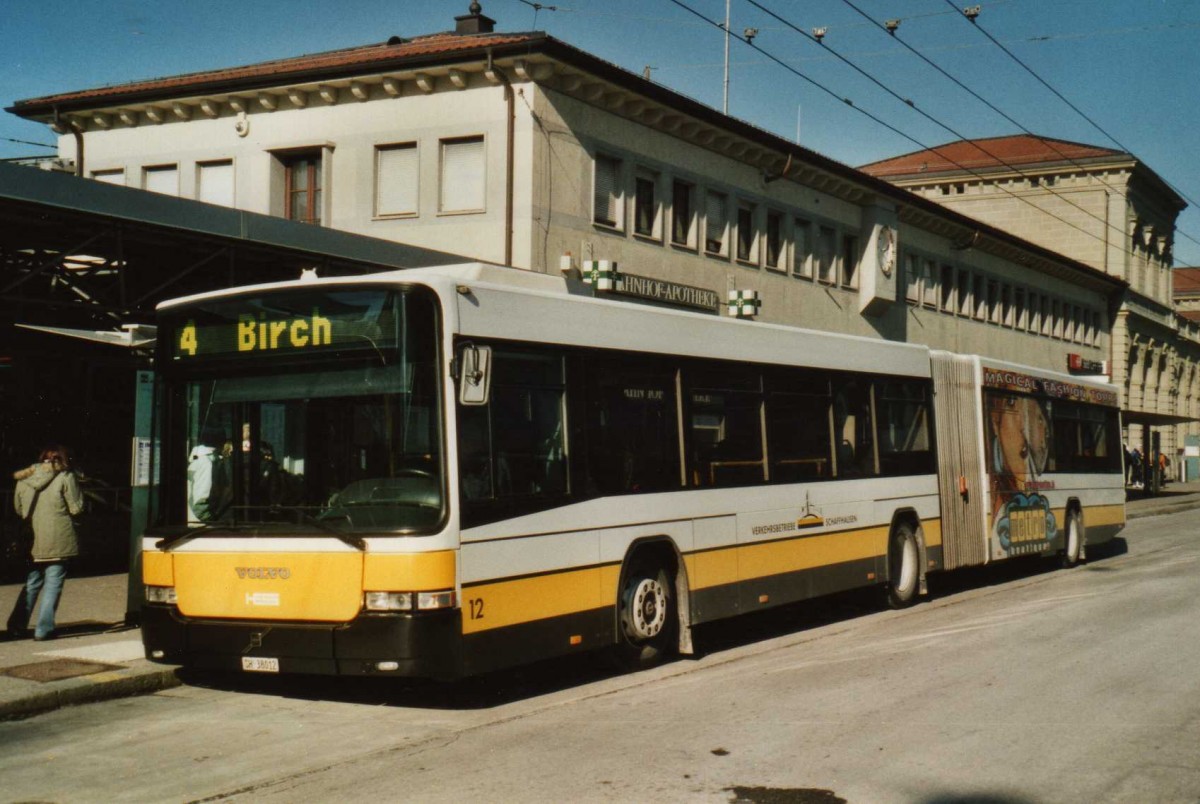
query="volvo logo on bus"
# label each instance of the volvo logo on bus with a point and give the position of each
(263, 573)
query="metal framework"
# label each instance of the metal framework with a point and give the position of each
(75, 252)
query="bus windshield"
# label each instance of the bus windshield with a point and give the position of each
(312, 408)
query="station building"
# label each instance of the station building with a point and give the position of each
(1109, 210)
(519, 149)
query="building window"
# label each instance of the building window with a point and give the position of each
(397, 171)
(929, 289)
(912, 279)
(606, 192)
(683, 214)
(826, 237)
(981, 297)
(747, 237)
(463, 175)
(214, 183)
(949, 300)
(161, 179)
(1006, 307)
(109, 176)
(1035, 313)
(964, 292)
(716, 223)
(802, 248)
(302, 187)
(993, 307)
(773, 240)
(1047, 317)
(1056, 322)
(849, 261)
(1020, 313)
(645, 204)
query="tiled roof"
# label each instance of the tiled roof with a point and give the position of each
(993, 152)
(1186, 280)
(1190, 315)
(312, 66)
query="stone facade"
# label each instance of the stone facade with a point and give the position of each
(1106, 209)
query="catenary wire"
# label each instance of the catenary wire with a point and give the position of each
(995, 109)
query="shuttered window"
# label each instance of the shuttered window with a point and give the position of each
(214, 183)
(396, 179)
(607, 192)
(109, 176)
(462, 175)
(715, 223)
(163, 179)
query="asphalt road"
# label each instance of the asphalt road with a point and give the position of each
(1014, 684)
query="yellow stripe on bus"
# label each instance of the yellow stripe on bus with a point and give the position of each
(1104, 515)
(157, 569)
(496, 605)
(502, 603)
(409, 572)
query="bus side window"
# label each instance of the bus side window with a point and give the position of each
(515, 446)
(905, 433)
(853, 430)
(726, 427)
(633, 430)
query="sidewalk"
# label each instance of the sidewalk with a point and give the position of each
(93, 657)
(96, 657)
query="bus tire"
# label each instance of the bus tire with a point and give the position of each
(904, 566)
(647, 618)
(1072, 541)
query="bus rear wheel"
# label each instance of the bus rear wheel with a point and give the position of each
(648, 620)
(1073, 541)
(904, 566)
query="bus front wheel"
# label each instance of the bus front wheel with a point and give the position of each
(904, 566)
(648, 619)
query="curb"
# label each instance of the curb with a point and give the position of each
(90, 689)
(1164, 508)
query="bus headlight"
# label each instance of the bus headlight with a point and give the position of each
(160, 594)
(409, 601)
(389, 601)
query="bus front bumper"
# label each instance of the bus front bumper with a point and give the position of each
(425, 645)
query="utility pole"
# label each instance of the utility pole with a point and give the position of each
(725, 105)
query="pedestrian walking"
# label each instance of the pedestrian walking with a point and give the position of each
(48, 496)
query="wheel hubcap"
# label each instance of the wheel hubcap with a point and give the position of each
(647, 607)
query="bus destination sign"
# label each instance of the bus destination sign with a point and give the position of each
(251, 334)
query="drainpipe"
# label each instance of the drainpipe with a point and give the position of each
(494, 72)
(60, 125)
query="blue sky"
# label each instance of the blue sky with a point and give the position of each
(1128, 65)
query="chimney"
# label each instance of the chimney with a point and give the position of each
(475, 22)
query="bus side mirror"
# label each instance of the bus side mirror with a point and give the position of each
(475, 379)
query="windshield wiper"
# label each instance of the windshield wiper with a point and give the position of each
(164, 544)
(349, 538)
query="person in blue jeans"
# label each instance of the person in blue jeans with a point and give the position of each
(48, 495)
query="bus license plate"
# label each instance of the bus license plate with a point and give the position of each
(260, 664)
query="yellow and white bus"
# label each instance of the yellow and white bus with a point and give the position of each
(445, 471)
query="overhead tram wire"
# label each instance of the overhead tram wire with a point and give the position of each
(975, 22)
(25, 142)
(892, 33)
(908, 102)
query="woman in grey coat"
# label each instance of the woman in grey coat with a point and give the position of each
(48, 495)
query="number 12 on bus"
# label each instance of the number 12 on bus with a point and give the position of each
(445, 471)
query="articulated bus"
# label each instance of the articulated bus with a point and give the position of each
(445, 471)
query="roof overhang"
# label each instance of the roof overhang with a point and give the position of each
(1153, 419)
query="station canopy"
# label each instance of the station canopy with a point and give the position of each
(80, 253)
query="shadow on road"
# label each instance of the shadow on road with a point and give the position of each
(555, 675)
